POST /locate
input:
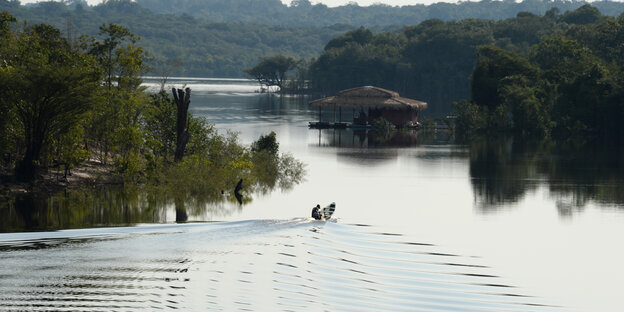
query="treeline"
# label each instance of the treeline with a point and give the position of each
(63, 103)
(303, 13)
(434, 61)
(220, 38)
(199, 47)
(568, 84)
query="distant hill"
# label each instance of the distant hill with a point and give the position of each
(206, 49)
(303, 13)
(220, 38)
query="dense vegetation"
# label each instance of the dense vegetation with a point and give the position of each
(202, 47)
(531, 73)
(63, 103)
(431, 62)
(568, 84)
(220, 38)
(303, 13)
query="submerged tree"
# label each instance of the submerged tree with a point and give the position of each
(271, 71)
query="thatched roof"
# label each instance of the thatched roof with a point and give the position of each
(369, 97)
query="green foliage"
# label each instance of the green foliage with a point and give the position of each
(568, 86)
(587, 14)
(526, 102)
(302, 12)
(383, 127)
(266, 143)
(226, 161)
(360, 36)
(66, 109)
(494, 64)
(130, 166)
(107, 53)
(507, 95)
(160, 126)
(271, 71)
(219, 48)
(49, 86)
(229, 36)
(470, 117)
(69, 149)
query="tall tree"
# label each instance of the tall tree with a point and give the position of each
(105, 50)
(49, 85)
(114, 127)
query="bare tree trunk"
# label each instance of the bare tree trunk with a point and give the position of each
(182, 101)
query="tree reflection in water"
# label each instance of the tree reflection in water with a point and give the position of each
(128, 205)
(503, 170)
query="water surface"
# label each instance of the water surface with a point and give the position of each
(422, 224)
(256, 265)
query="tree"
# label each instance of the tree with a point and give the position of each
(271, 71)
(528, 104)
(587, 14)
(582, 84)
(266, 143)
(494, 64)
(360, 36)
(49, 85)
(105, 50)
(114, 127)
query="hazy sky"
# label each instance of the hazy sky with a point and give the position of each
(330, 3)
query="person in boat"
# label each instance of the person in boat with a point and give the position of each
(316, 212)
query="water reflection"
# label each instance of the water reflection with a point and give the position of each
(120, 205)
(504, 170)
(365, 138)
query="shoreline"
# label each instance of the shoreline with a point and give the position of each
(89, 174)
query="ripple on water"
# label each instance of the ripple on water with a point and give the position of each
(258, 265)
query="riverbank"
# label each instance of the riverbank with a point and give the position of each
(88, 174)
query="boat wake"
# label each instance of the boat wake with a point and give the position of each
(261, 265)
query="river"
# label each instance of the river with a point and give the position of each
(422, 224)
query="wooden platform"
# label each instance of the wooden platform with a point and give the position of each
(344, 125)
(327, 125)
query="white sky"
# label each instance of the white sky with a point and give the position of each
(330, 3)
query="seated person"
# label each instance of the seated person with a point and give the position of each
(316, 212)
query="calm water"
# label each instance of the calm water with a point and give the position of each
(422, 224)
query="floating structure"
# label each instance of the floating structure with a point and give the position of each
(369, 104)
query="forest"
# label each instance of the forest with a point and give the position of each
(202, 48)
(567, 86)
(65, 103)
(304, 13)
(222, 38)
(539, 75)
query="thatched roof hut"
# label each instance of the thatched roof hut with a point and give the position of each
(378, 102)
(369, 97)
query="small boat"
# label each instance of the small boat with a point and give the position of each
(328, 211)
